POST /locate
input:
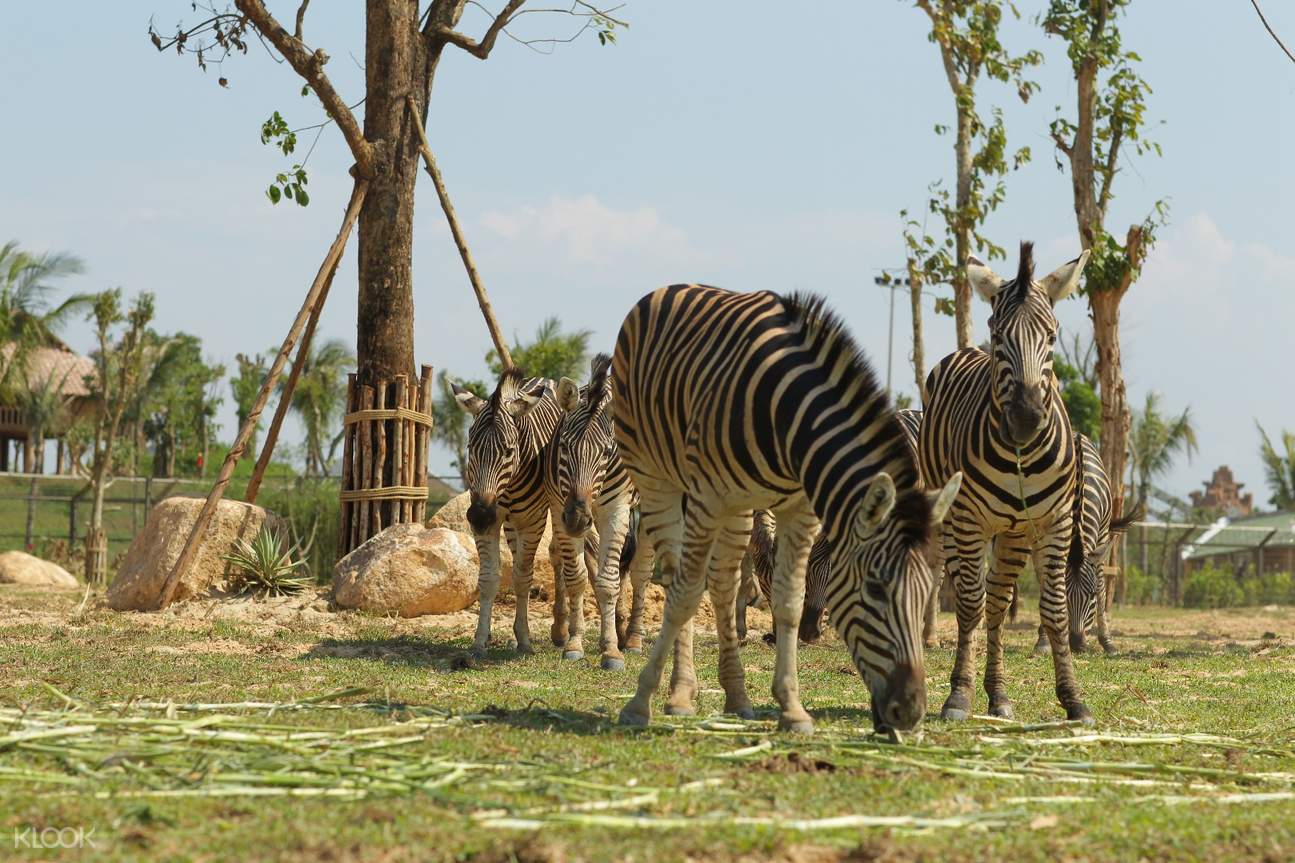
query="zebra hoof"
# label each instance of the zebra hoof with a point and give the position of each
(631, 718)
(1078, 712)
(953, 714)
(477, 653)
(611, 663)
(637, 651)
(1041, 649)
(1109, 649)
(796, 725)
(525, 650)
(747, 713)
(573, 655)
(680, 710)
(1002, 711)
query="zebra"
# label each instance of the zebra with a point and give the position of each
(726, 403)
(757, 579)
(998, 418)
(504, 475)
(1090, 543)
(588, 489)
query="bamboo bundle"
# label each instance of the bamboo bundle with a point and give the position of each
(384, 461)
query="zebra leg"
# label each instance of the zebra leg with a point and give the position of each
(745, 591)
(640, 575)
(964, 546)
(935, 560)
(488, 586)
(1050, 559)
(795, 529)
(613, 523)
(1040, 643)
(568, 573)
(662, 525)
(575, 575)
(526, 543)
(558, 631)
(722, 580)
(1010, 554)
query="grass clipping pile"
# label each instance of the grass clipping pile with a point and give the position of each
(159, 750)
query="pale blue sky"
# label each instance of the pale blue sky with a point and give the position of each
(720, 142)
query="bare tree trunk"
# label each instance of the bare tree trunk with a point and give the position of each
(962, 235)
(919, 347)
(29, 454)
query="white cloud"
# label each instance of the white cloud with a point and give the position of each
(589, 231)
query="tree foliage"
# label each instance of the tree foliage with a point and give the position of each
(319, 400)
(1082, 405)
(180, 402)
(28, 316)
(551, 354)
(1279, 467)
(1157, 440)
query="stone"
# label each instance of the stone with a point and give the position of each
(453, 515)
(409, 570)
(148, 561)
(17, 567)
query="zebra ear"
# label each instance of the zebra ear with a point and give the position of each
(1060, 282)
(878, 501)
(521, 406)
(467, 399)
(986, 282)
(942, 500)
(568, 394)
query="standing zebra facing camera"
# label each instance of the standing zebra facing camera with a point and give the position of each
(505, 480)
(730, 403)
(998, 418)
(589, 490)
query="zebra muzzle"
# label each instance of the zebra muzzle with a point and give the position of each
(903, 702)
(482, 515)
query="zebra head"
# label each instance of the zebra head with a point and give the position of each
(1023, 331)
(494, 441)
(584, 447)
(884, 556)
(1086, 575)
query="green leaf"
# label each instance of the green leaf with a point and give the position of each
(302, 198)
(274, 194)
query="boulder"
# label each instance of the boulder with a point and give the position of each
(148, 561)
(17, 567)
(409, 570)
(453, 515)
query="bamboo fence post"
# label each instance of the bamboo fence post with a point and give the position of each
(380, 461)
(399, 391)
(191, 545)
(424, 438)
(366, 466)
(348, 455)
(483, 300)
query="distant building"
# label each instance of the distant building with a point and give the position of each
(55, 366)
(1223, 495)
(1261, 543)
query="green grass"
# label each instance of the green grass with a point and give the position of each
(521, 759)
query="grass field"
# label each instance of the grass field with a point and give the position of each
(125, 724)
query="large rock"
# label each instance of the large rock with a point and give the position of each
(453, 515)
(148, 561)
(17, 567)
(409, 569)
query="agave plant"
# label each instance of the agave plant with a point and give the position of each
(264, 566)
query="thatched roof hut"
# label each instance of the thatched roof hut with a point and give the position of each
(55, 366)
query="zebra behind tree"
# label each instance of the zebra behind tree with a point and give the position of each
(998, 418)
(589, 490)
(505, 480)
(738, 402)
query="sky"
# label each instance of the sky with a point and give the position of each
(714, 142)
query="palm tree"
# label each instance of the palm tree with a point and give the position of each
(1279, 468)
(1156, 441)
(44, 408)
(319, 398)
(552, 354)
(27, 317)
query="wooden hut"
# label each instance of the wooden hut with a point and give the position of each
(53, 366)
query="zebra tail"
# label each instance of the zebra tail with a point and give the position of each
(1014, 607)
(630, 548)
(1136, 514)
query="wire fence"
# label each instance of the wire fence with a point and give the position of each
(49, 515)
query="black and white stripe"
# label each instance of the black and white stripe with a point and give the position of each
(739, 402)
(998, 418)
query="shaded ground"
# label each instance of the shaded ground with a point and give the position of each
(519, 759)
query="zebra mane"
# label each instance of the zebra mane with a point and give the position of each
(594, 394)
(510, 384)
(912, 512)
(1025, 270)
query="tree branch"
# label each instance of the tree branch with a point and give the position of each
(1110, 169)
(1062, 145)
(1279, 42)
(310, 65)
(481, 50)
(301, 18)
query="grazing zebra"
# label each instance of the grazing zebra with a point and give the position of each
(1094, 532)
(998, 418)
(588, 489)
(727, 403)
(505, 478)
(757, 579)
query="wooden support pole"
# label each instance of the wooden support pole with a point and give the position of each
(285, 398)
(191, 545)
(429, 161)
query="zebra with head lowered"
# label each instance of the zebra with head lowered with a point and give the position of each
(727, 403)
(588, 489)
(998, 418)
(1090, 544)
(505, 479)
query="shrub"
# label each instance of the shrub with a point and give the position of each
(265, 566)
(312, 508)
(1272, 588)
(1140, 588)
(1209, 587)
